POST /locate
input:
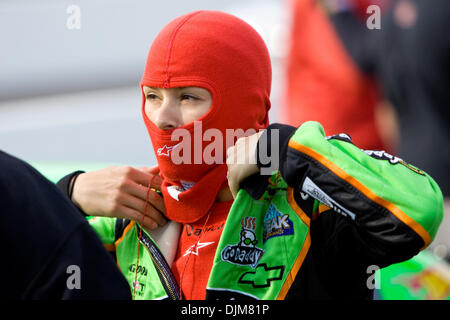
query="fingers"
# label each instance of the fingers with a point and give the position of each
(132, 193)
(233, 186)
(241, 161)
(140, 192)
(231, 173)
(145, 211)
(142, 176)
(153, 169)
(232, 178)
(121, 192)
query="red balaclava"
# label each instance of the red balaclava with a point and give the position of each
(225, 55)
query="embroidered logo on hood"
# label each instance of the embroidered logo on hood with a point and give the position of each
(165, 150)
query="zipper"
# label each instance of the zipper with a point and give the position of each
(162, 267)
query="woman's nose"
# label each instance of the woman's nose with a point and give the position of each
(168, 116)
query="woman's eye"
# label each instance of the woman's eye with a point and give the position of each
(188, 97)
(152, 96)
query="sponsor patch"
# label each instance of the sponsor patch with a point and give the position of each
(245, 252)
(276, 224)
(314, 191)
(383, 155)
(341, 136)
(262, 276)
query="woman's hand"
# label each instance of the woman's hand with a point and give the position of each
(241, 161)
(121, 192)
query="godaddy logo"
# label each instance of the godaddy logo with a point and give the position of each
(245, 251)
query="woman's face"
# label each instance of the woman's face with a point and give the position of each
(175, 107)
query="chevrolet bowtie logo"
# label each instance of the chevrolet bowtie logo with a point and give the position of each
(165, 151)
(262, 276)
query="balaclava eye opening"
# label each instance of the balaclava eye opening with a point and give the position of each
(225, 55)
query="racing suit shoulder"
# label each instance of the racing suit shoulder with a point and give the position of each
(394, 208)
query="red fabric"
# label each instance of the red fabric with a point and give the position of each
(362, 5)
(324, 84)
(192, 264)
(226, 56)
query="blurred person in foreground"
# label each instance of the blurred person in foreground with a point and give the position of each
(291, 214)
(49, 251)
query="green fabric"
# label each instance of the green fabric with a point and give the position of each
(259, 245)
(148, 285)
(423, 277)
(279, 237)
(105, 229)
(411, 190)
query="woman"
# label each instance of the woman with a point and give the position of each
(208, 75)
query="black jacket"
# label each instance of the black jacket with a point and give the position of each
(49, 250)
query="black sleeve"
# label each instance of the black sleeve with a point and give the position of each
(81, 269)
(66, 183)
(45, 241)
(284, 134)
(341, 260)
(375, 237)
(257, 183)
(336, 251)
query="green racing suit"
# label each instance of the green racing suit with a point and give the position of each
(311, 230)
